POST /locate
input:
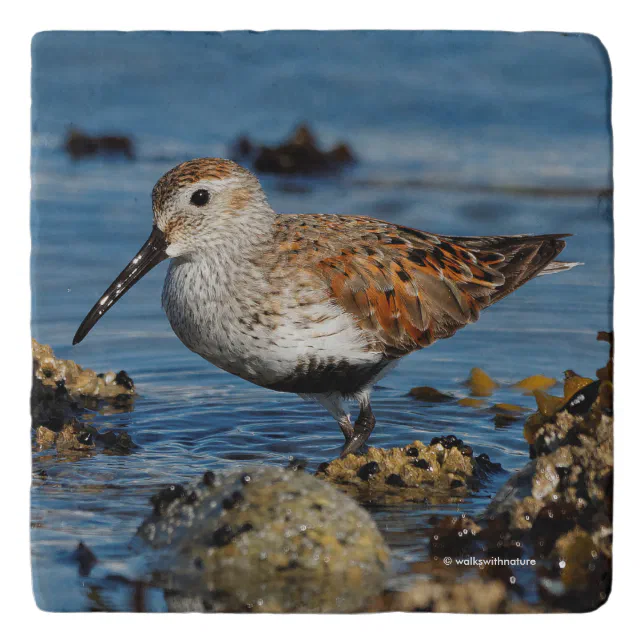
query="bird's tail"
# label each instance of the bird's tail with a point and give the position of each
(558, 267)
(519, 258)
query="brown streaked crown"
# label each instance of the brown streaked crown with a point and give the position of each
(190, 172)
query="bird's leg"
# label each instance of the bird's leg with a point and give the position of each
(347, 428)
(362, 429)
(333, 404)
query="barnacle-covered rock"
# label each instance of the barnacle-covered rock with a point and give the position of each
(82, 437)
(265, 540)
(453, 536)
(463, 596)
(62, 388)
(444, 469)
(555, 513)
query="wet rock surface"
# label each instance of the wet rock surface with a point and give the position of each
(62, 391)
(464, 596)
(82, 437)
(266, 540)
(61, 388)
(298, 154)
(553, 519)
(445, 469)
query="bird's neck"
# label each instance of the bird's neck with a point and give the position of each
(230, 259)
(246, 235)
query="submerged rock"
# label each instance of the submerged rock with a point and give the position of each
(85, 558)
(62, 388)
(417, 472)
(83, 437)
(298, 154)
(79, 145)
(266, 540)
(429, 394)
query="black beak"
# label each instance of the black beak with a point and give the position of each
(152, 253)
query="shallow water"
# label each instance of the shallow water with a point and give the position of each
(456, 133)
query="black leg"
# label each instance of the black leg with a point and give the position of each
(347, 428)
(361, 431)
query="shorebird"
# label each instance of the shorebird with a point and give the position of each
(318, 305)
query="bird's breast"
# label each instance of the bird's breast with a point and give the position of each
(262, 332)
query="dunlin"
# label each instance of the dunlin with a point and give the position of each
(318, 305)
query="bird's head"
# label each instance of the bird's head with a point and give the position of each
(204, 203)
(200, 207)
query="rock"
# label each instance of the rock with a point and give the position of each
(61, 389)
(471, 596)
(580, 559)
(86, 559)
(75, 436)
(506, 414)
(444, 470)
(298, 154)
(79, 145)
(534, 383)
(480, 383)
(453, 536)
(265, 540)
(556, 513)
(429, 394)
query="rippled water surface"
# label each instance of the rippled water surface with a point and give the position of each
(455, 133)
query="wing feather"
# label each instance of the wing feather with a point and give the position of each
(407, 288)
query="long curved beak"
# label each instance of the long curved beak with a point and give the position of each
(151, 254)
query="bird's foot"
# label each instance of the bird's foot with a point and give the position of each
(353, 444)
(365, 423)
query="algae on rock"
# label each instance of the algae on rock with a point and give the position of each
(62, 391)
(446, 469)
(264, 539)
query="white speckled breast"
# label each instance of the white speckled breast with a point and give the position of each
(266, 333)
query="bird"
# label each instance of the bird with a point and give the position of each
(319, 305)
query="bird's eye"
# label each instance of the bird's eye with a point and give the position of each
(200, 197)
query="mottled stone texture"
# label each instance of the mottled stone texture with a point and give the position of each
(446, 469)
(266, 540)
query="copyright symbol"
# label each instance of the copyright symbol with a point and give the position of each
(447, 561)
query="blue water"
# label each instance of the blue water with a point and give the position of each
(456, 133)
